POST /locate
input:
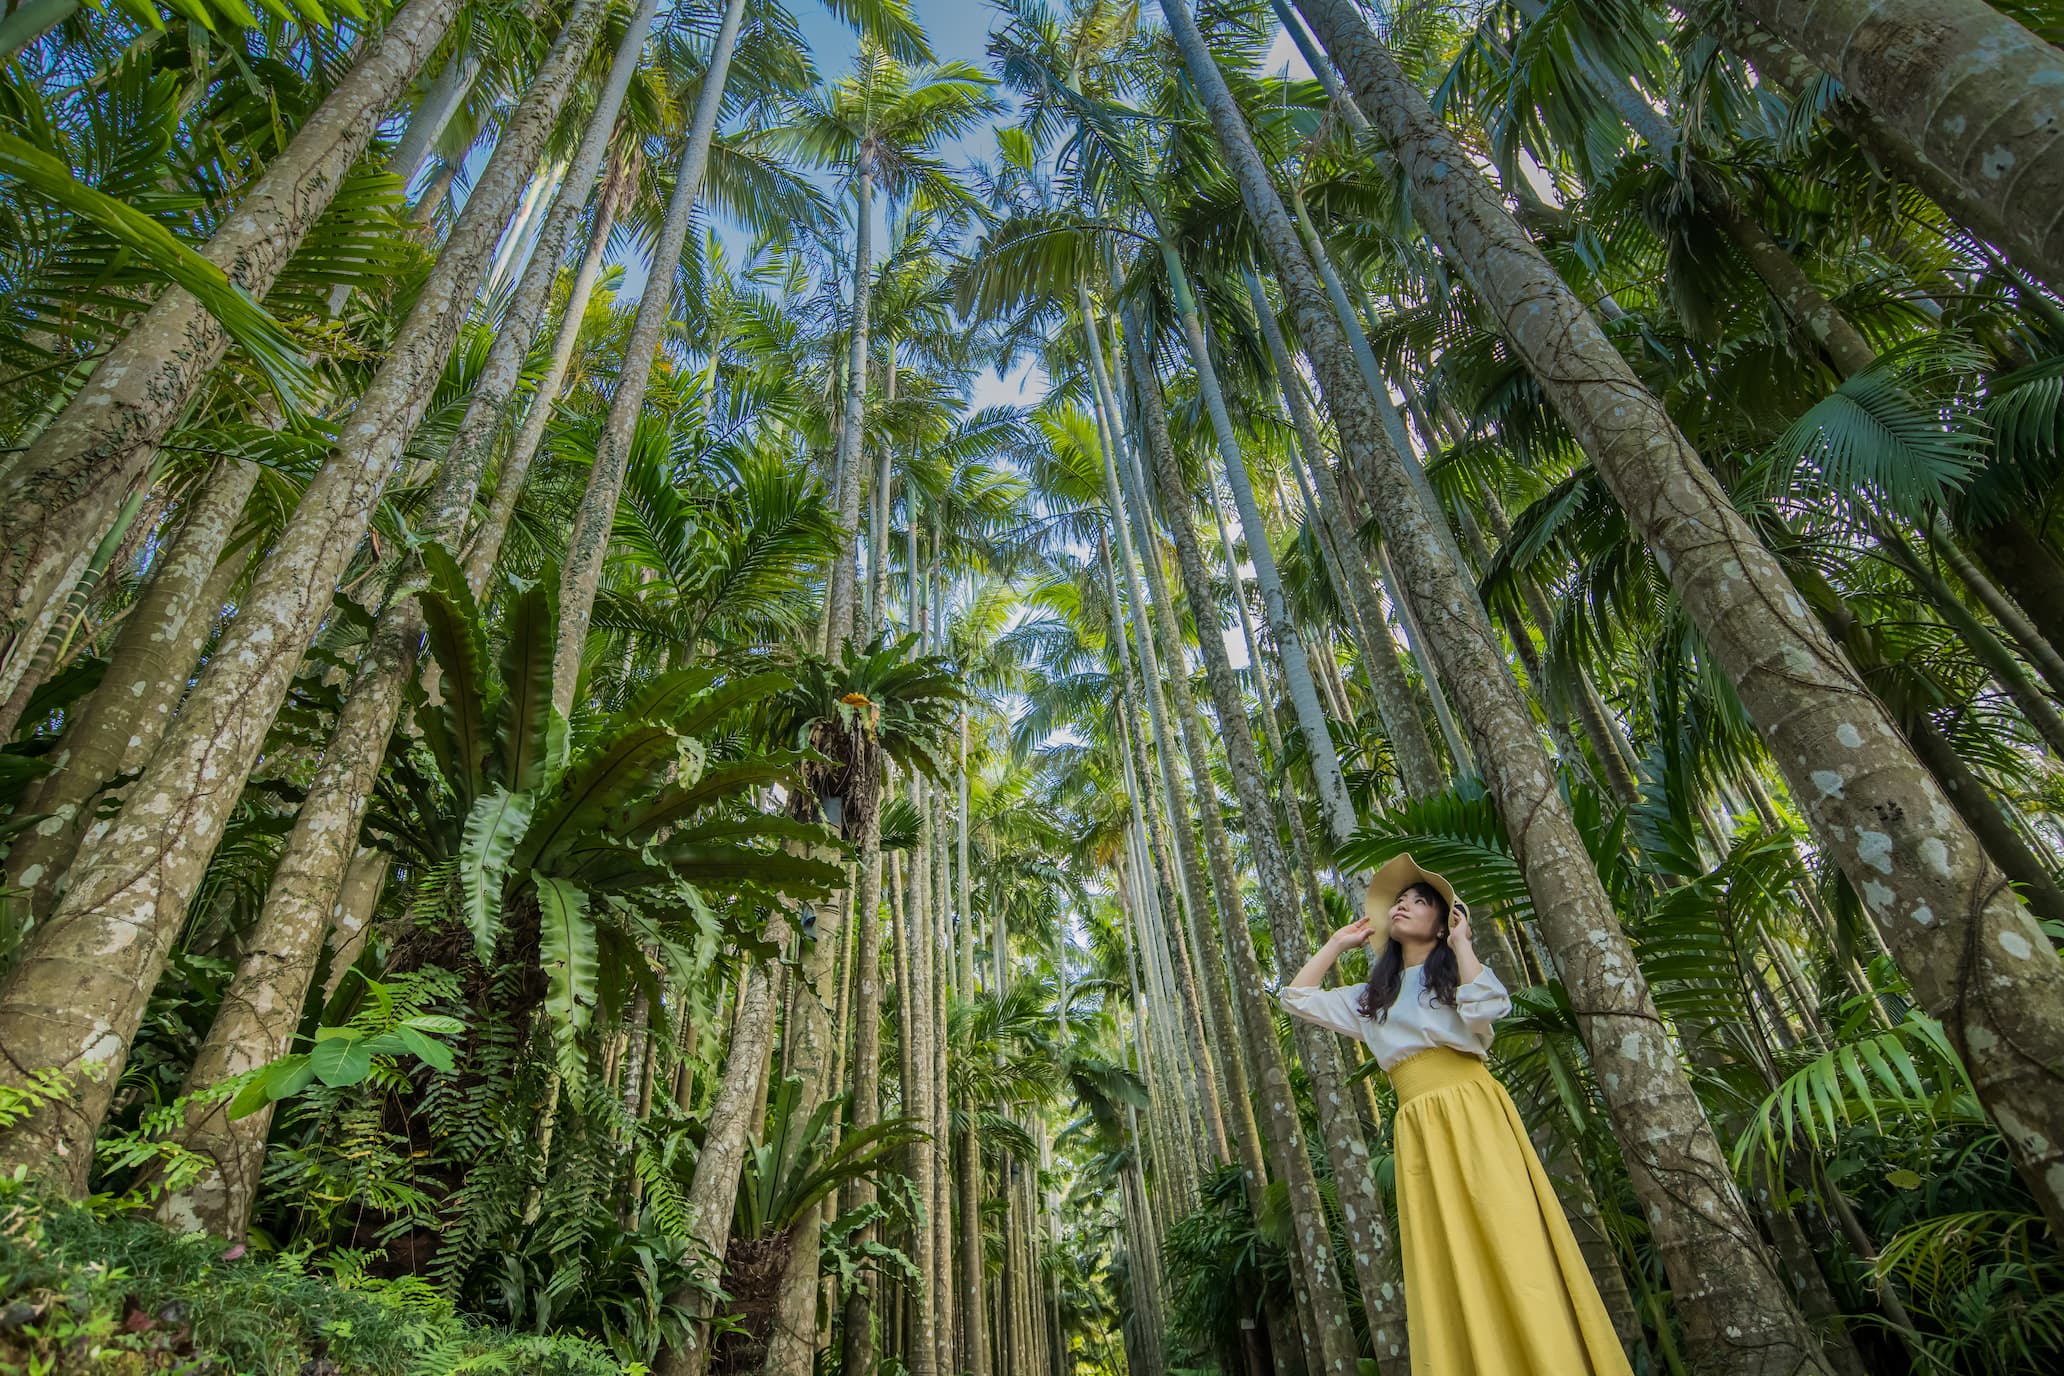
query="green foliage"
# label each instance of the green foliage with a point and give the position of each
(118, 1294)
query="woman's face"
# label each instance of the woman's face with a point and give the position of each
(1415, 917)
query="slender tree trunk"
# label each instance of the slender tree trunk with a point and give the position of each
(589, 538)
(1418, 767)
(1734, 1309)
(2038, 649)
(1976, 957)
(446, 97)
(858, 1340)
(2027, 566)
(1969, 91)
(915, 1001)
(973, 1254)
(734, 1118)
(1297, 681)
(146, 674)
(65, 487)
(486, 540)
(97, 959)
(1237, 1099)
(352, 918)
(812, 1038)
(852, 445)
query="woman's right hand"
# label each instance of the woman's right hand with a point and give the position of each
(1355, 933)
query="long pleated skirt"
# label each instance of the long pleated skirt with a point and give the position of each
(1494, 1283)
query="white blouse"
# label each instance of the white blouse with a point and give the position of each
(1416, 1023)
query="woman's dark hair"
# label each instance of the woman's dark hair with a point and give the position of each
(1443, 974)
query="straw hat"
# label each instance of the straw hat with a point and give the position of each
(1392, 878)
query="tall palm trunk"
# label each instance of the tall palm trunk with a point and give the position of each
(1159, 880)
(734, 1117)
(78, 995)
(1286, 1137)
(1736, 1312)
(1972, 93)
(262, 1004)
(589, 538)
(446, 97)
(858, 1337)
(811, 1037)
(486, 541)
(1418, 767)
(852, 439)
(973, 1254)
(1297, 679)
(1942, 907)
(915, 1002)
(153, 654)
(64, 488)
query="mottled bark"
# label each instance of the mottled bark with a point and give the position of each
(1796, 294)
(852, 438)
(78, 995)
(586, 543)
(858, 1346)
(734, 1120)
(147, 672)
(914, 1001)
(351, 919)
(1779, 64)
(261, 1007)
(1971, 93)
(1976, 957)
(812, 1037)
(973, 1255)
(63, 489)
(1735, 1312)
(1279, 1111)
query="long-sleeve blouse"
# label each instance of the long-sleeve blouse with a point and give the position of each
(1415, 1022)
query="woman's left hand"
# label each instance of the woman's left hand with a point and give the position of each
(1458, 929)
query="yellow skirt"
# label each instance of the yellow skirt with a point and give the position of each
(1494, 1283)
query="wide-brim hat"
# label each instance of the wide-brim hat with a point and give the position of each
(1392, 878)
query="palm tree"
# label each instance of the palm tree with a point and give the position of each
(597, 515)
(177, 807)
(85, 461)
(1767, 643)
(881, 124)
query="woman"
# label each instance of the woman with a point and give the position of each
(1494, 1283)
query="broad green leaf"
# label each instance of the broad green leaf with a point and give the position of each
(523, 727)
(459, 644)
(289, 1075)
(341, 1061)
(435, 1022)
(429, 1050)
(621, 769)
(493, 828)
(567, 948)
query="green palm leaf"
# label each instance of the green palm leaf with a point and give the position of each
(247, 322)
